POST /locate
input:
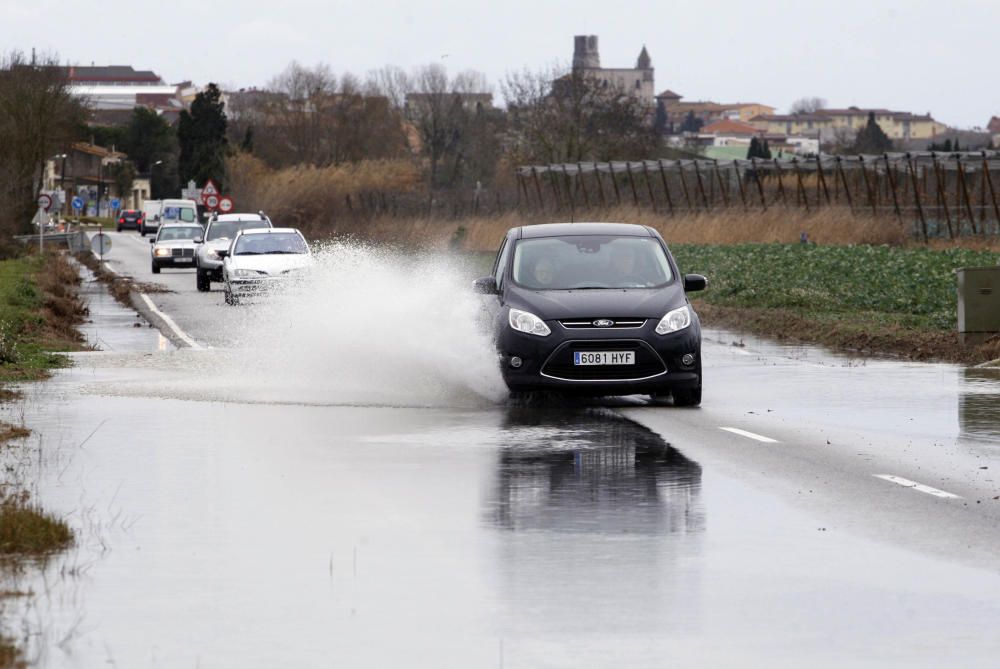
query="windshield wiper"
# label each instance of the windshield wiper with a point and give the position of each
(249, 253)
(289, 252)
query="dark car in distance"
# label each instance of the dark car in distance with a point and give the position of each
(594, 309)
(130, 218)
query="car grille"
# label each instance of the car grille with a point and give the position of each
(182, 253)
(647, 362)
(616, 323)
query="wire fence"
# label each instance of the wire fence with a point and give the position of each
(937, 195)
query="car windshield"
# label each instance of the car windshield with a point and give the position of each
(590, 262)
(273, 242)
(228, 229)
(186, 214)
(179, 232)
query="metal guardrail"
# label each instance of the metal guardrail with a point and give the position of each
(76, 240)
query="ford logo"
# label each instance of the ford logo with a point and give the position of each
(603, 323)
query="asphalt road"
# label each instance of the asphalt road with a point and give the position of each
(269, 497)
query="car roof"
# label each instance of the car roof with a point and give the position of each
(266, 231)
(180, 225)
(570, 229)
(240, 217)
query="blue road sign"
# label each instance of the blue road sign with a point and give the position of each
(116, 203)
(77, 203)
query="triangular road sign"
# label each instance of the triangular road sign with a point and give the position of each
(209, 189)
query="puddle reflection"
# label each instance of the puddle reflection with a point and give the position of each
(592, 472)
(979, 404)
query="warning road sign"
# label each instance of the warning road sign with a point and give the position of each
(208, 190)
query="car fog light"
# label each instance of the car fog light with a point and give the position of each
(687, 359)
(516, 362)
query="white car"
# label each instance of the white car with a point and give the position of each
(174, 245)
(262, 258)
(219, 234)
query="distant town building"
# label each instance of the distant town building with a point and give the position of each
(637, 81)
(993, 127)
(675, 112)
(416, 102)
(113, 91)
(837, 125)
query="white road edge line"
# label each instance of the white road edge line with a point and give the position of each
(907, 483)
(170, 322)
(750, 435)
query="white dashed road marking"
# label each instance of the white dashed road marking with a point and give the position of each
(907, 483)
(750, 435)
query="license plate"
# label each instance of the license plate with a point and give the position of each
(604, 357)
(183, 259)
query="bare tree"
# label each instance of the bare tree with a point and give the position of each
(569, 116)
(451, 120)
(807, 105)
(307, 116)
(38, 117)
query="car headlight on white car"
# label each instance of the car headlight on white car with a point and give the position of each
(674, 321)
(246, 273)
(161, 252)
(212, 255)
(524, 321)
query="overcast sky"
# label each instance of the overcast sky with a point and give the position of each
(911, 55)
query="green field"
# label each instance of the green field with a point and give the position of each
(906, 287)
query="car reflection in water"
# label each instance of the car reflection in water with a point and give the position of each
(600, 533)
(592, 471)
(979, 404)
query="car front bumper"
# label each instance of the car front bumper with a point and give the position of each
(546, 363)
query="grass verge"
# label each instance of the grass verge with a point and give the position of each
(39, 312)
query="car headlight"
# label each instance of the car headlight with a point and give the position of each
(247, 273)
(675, 320)
(159, 253)
(523, 321)
(212, 255)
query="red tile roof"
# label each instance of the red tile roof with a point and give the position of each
(729, 127)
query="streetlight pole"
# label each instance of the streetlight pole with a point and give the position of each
(152, 177)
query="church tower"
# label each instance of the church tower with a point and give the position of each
(585, 53)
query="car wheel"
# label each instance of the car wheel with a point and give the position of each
(687, 397)
(230, 298)
(202, 281)
(156, 268)
(119, 228)
(142, 231)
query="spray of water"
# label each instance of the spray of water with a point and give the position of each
(370, 326)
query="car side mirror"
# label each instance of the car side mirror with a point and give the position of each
(485, 286)
(152, 241)
(694, 282)
(223, 253)
(198, 240)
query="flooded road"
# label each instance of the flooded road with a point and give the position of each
(272, 504)
(249, 534)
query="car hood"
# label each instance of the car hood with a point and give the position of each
(271, 263)
(605, 303)
(218, 244)
(175, 243)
